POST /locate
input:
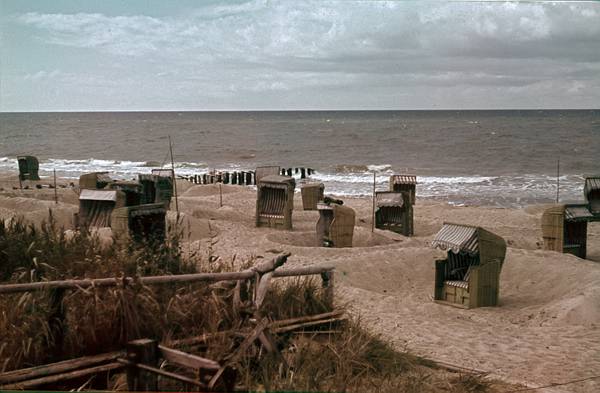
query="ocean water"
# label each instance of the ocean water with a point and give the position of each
(497, 158)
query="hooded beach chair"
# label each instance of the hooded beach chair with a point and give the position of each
(394, 212)
(591, 191)
(156, 189)
(335, 227)
(96, 207)
(275, 201)
(139, 223)
(469, 277)
(564, 228)
(312, 194)
(405, 183)
(28, 168)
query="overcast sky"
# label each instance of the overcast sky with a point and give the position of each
(267, 54)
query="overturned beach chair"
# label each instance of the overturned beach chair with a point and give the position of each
(94, 180)
(335, 227)
(96, 207)
(405, 183)
(591, 191)
(263, 171)
(564, 228)
(470, 275)
(312, 194)
(156, 189)
(394, 212)
(275, 201)
(141, 223)
(28, 168)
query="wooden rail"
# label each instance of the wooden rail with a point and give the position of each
(157, 280)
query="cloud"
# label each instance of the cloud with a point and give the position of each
(282, 47)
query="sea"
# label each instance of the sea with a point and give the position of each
(503, 158)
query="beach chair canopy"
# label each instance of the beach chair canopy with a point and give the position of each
(591, 191)
(98, 195)
(457, 238)
(389, 199)
(403, 179)
(263, 171)
(405, 183)
(94, 180)
(579, 212)
(277, 181)
(163, 172)
(470, 240)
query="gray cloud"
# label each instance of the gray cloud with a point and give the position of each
(264, 54)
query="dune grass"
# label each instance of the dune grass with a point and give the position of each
(97, 320)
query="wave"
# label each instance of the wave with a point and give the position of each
(353, 180)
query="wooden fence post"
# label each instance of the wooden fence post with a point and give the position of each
(56, 320)
(327, 278)
(143, 351)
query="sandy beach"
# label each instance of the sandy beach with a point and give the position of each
(545, 330)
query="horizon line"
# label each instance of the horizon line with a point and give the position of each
(295, 110)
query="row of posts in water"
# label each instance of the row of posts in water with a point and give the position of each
(243, 178)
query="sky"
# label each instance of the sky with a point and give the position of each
(108, 55)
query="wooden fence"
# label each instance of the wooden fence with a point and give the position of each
(141, 357)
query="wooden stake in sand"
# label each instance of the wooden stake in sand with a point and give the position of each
(55, 193)
(373, 212)
(174, 180)
(557, 179)
(220, 196)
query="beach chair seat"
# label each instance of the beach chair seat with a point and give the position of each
(457, 283)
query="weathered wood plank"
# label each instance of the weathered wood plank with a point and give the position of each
(308, 318)
(32, 383)
(55, 368)
(187, 359)
(289, 328)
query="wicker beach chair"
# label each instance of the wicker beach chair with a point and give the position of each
(394, 212)
(28, 168)
(335, 227)
(275, 201)
(156, 189)
(591, 191)
(96, 207)
(470, 275)
(564, 228)
(94, 180)
(312, 193)
(141, 223)
(405, 183)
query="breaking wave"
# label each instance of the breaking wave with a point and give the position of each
(353, 180)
